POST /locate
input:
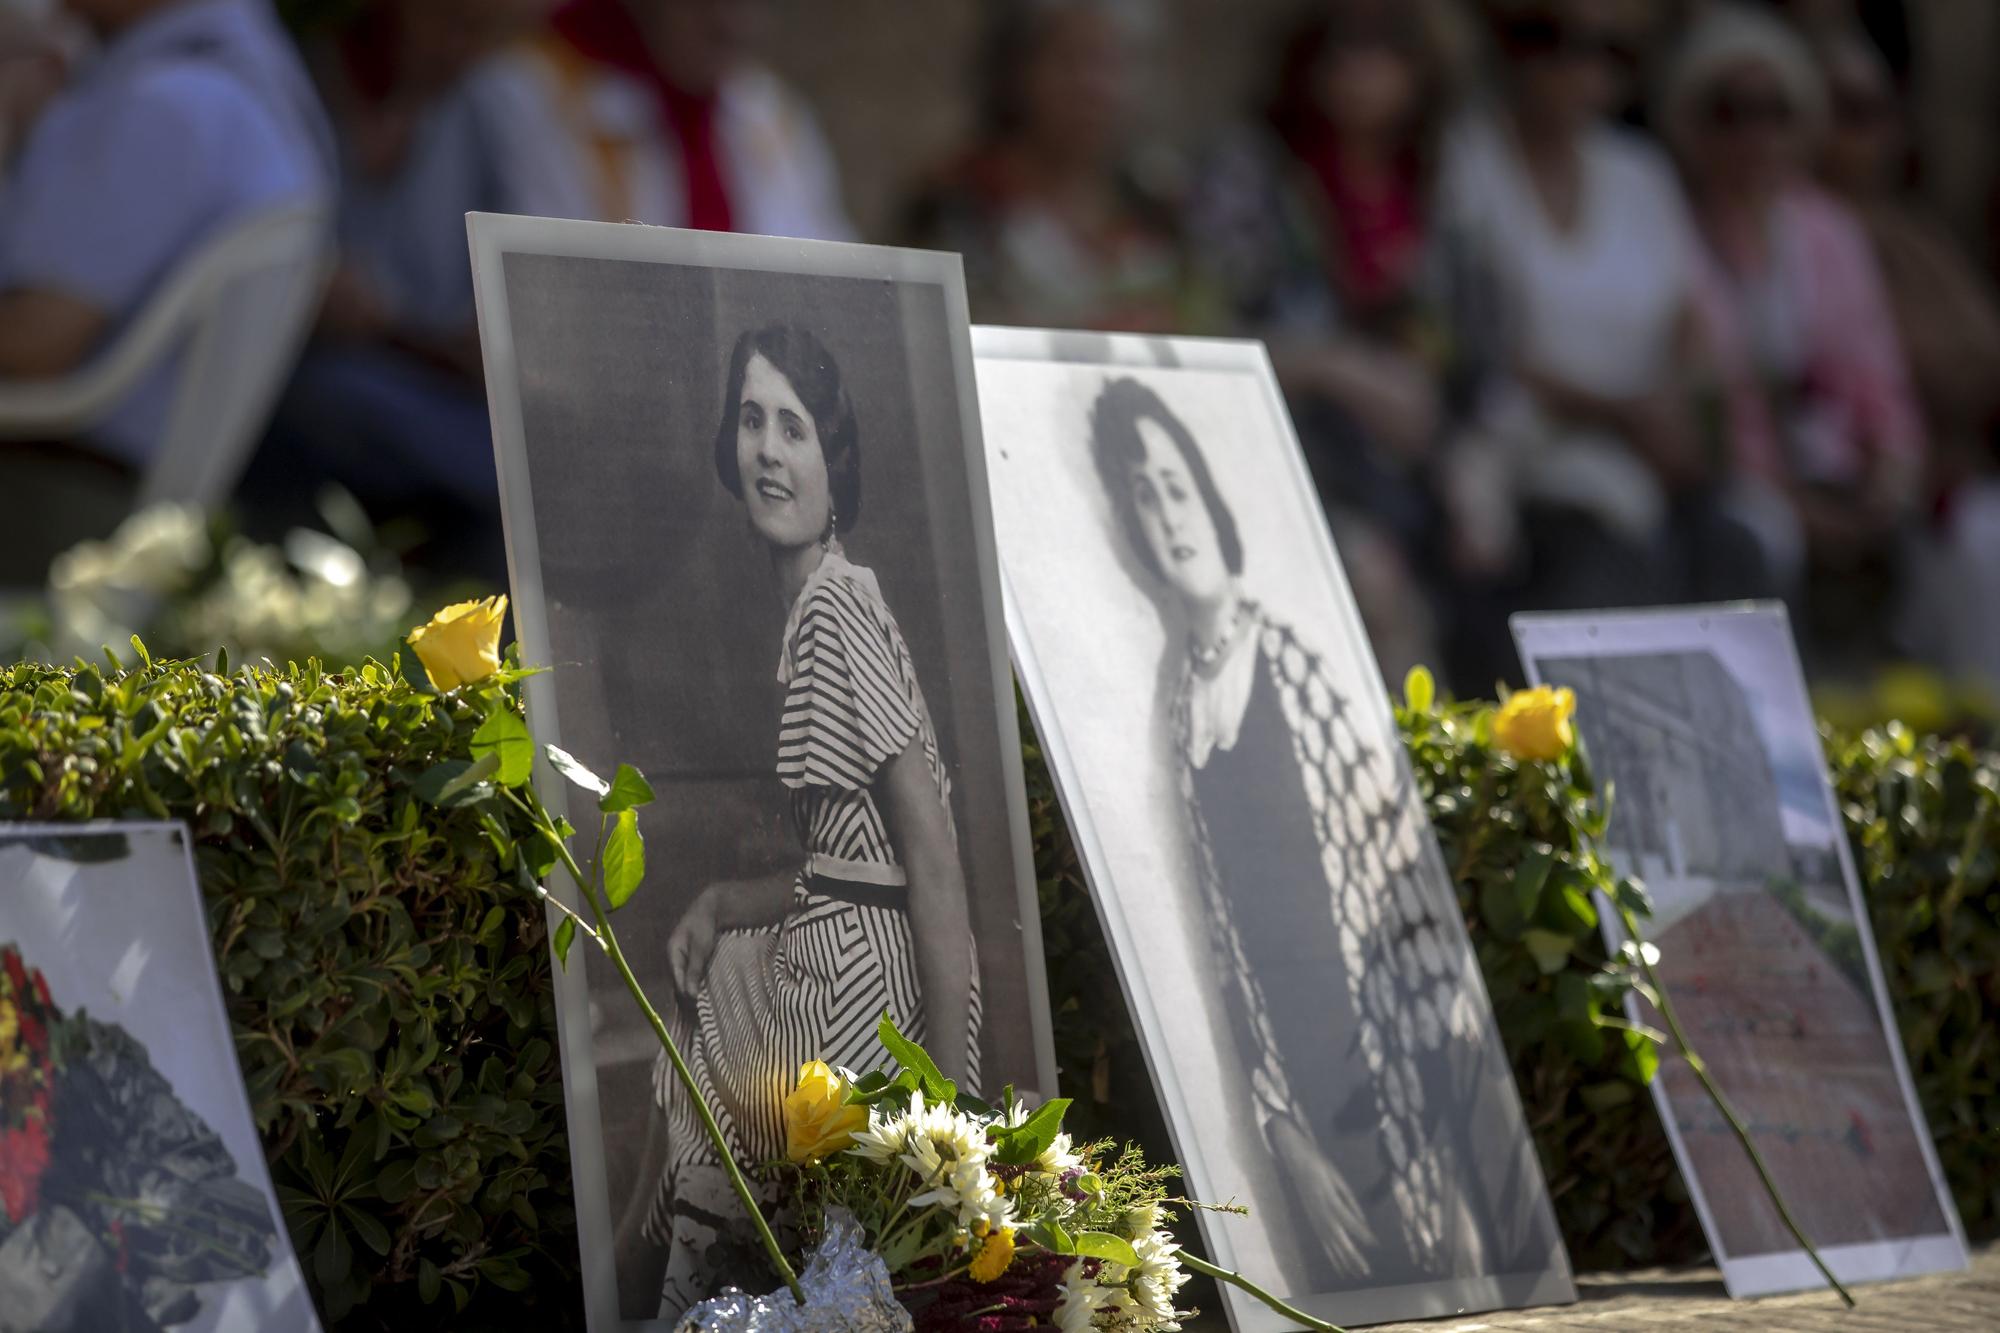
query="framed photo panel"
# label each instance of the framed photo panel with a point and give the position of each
(1700, 719)
(1307, 997)
(747, 525)
(133, 1188)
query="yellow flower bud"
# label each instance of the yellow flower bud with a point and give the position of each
(819, 1119)
(1534, 724)
(996, 1252)
(461, 644)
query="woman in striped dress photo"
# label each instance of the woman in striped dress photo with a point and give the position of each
(801, 965)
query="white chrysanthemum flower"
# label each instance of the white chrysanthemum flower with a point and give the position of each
(1076, 1312)
(1158, 1277)
(1058, 1157)
(969, 1190)
(888, 1133)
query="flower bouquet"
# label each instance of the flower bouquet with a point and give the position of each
(982, 1216)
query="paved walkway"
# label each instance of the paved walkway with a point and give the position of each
(1692, 1301)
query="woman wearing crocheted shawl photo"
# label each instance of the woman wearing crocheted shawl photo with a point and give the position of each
(1342, 987)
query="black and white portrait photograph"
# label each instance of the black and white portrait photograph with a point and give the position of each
(1700, 720)
(748, 530)
(134, 1193)
(1314, 1020)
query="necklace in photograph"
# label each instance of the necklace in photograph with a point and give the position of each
(1208, 656)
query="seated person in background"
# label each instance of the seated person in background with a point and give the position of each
(1791, 291)
(432, 124)
(1949, 323)
(1316, 227)
(1057, 223)
(194, 115)
(1584, 477)
(679, 125)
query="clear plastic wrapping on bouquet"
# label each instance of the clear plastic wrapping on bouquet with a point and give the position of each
(846, 1287)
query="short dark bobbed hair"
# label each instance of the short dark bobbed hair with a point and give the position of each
(798, 355)
(1116, 448)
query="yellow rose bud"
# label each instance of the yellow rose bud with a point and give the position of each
(995, 1253)
(1534, 724)
(461, 644)
(819, 1119)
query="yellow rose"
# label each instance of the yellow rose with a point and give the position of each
(1534, 724)
(819, 1120)
(462, 642)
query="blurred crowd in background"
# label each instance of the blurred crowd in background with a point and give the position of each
(1577, 303)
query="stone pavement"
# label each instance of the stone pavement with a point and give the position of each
(1692, 1301)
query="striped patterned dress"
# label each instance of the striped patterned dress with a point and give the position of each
(815, 985)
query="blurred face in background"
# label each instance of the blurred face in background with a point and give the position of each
(1864, 147)
(698, 43)
(1367, 87)
(1075, 85)
(1747, 139)
(1562, 64)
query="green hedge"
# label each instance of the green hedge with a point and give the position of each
(391, 1001)
(1923, 817)
(393, 1010)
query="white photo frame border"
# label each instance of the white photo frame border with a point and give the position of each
(1679, 629)
(493, 236)
(1246, 1315)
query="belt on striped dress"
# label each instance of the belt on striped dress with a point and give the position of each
(896, 896)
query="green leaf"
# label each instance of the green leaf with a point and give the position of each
(1605, 1096)
(1051, 1237)
(370, 1229)
(1632, 896)
(1499, 908)
(624, 860)
(456, 782)
(565, 936)
(1642, 1057)
(629, 790)
(914, 1058)
(333, 1256)
(1103, 1245)
(1419, 689)
(1550, 950)
(1573, 997)
(504, 734)
(429, 1279)
(1529, 877)
(572, 768)
(1028, 1140)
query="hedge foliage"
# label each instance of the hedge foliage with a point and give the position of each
(1923, 816)
(391, 1000)
(394, 1019)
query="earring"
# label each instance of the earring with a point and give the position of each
(826, 538)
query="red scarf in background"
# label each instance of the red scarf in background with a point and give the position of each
(606, 32)
(1376, 230)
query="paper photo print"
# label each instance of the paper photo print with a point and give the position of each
(748, 528)
(1700, 721)
(133, 1189)
(1213, 717)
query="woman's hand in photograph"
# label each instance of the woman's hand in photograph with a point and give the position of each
(1341, 1226)
(692, 944)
